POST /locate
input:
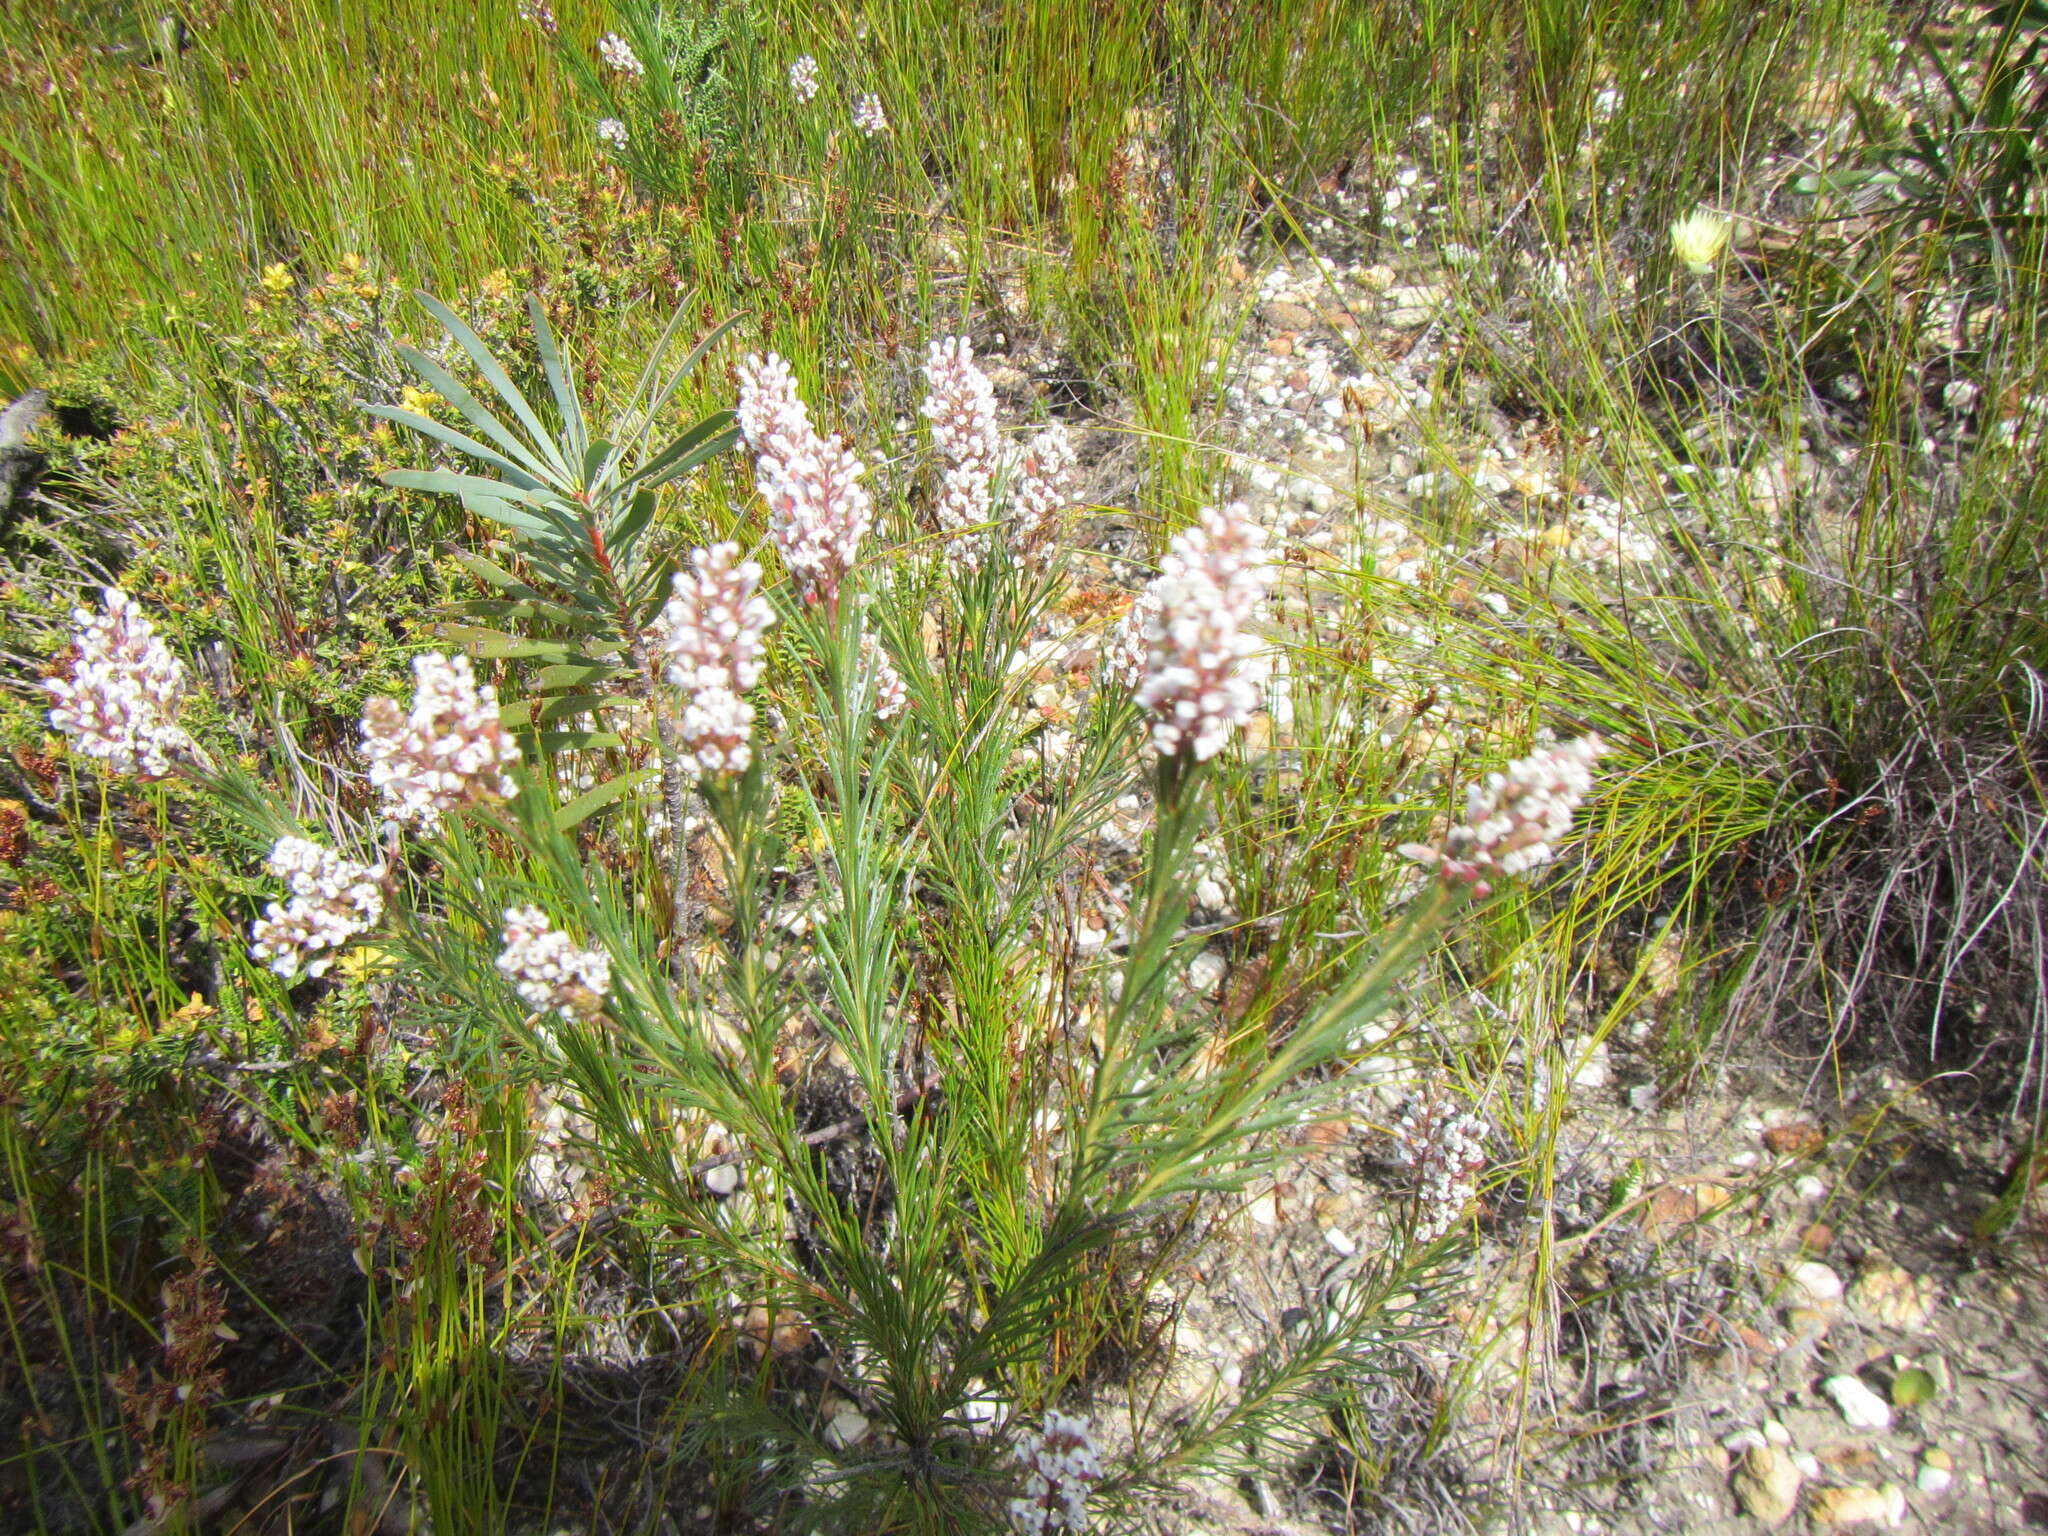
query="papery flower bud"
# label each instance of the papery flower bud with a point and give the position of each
(332, 900)
(448, 751)
(1193, 618)
(550, 974)
(118, 700)
(1513, 818)
(712, 645)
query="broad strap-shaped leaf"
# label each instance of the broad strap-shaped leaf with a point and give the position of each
(449, 388)
(578, 741)
(687, 367)
(552, 711)
(449, 482)
(630, 525)
(535, 611)
(499, 380)
(597, 459)
(426, 426)
(576, 674)
(491, 573)
(561, 382)
(708, 438)
(597, 798)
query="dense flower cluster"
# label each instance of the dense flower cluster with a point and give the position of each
(538, 13)
(803, 78)
(711, 646)
(1039, 492)
(449, 751)
(1059, 1464)
(550, 973)
(619, 55)
(868, 115)
(961, 406)
(889, 693)
(332, 900)
(1447, 1150)
(611, 131)
(1193, 622)
(818, 512)
(118, 701)
(1513, 819)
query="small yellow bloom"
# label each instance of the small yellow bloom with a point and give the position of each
(1700, 237)
(418, 401)
(277, 277)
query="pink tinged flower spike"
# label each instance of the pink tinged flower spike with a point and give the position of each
(1039, 491)
(961, 407)
(1194, 619)
(118, 701)
(448, 751)
(960, 404)
(712, 649)
(1059, 1463)
(772, 416)
(869, 117)
(331, 901)
(1513, 819)
(548, 971)
(818, 513)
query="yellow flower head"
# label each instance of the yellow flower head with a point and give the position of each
(277, 277)
(1700, 237)
(418, 401)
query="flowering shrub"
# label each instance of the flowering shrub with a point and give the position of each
(657, 994)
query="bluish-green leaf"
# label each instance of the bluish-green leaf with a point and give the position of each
(596, 799)
(560, 380)
(499, 380)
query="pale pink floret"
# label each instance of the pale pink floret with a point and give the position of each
(712, 649)
(1193, 624)
(447, 751)
(1514, 818)
(118, 701)
(550, 974)
(332, 900)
